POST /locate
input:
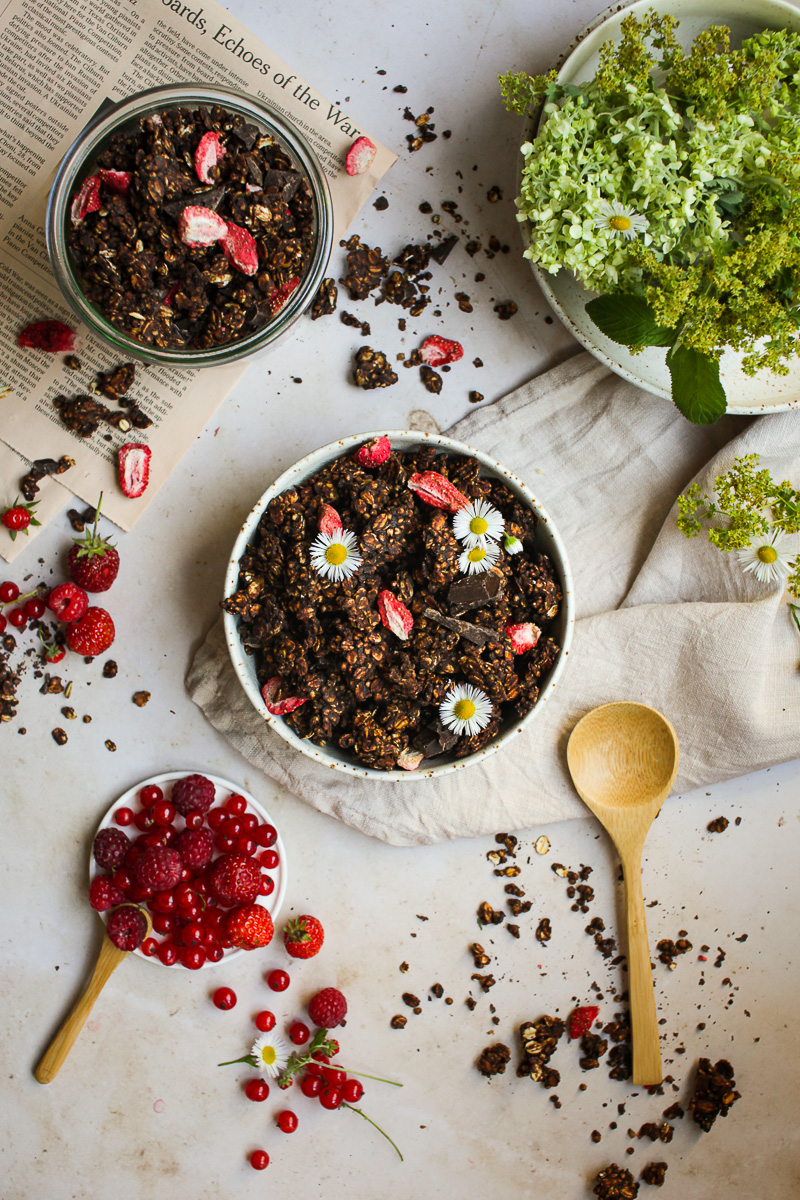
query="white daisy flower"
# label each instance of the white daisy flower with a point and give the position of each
(512, 544)
(335, 555)
(466, 709)
(271, 1054)
(619, 219)
(478, 523)
(478, 558)
(766, 558)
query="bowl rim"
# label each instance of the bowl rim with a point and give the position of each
(87, 144)
(300, 471)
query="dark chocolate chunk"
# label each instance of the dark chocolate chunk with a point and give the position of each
(476, 591)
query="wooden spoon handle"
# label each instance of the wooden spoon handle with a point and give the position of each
(53, 1059)
(647, 1070)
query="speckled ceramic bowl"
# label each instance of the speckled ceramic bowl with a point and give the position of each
(548, 541)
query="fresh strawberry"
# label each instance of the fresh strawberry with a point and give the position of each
(198, 226)
(328, 1008)
(53, 336)
(68, 602)
(116, 181)
(523, 637)
(329, 520)
(126, 927)
(53, 651)
(92, 635)
(134, 468)
(86, 199)
(373, 454)
(281, 294)
(278, 708)
(241, 251)
(395, 615)
(582, 1019)
(93, 561)
(235, 879)
(437, 351)
(249, 927)
(360, 156)
(208, 153)
(303, 937)
(18, 517)
(437, 491)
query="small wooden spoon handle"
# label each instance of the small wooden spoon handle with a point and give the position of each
(53, 1059)
(647, 1070)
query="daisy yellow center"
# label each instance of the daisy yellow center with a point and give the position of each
(767, 554)
(478, 526)
(477, 555)
(335, 555)
(621, 224)
(268, 1055)
(464, 709)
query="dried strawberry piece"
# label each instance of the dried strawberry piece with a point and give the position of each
(409, 760)
(373, 454)
(281, 294)
(360, 156)
(278, 707)
(582, 1020)
(53, 336)
(523, 637)
(134, 468)
(86, 199)
(395, 615)
(116, 181)
(329, 520)
(208, 153)
(171, 294)
(199, 226)
(241, 251)
(436, 351)
(434, 489)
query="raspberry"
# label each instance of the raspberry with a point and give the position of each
(134, 469)
(158, 868)
(126, 927)
(195, 847)
(373, 454)
(360, 156)
(241, 251)
(193, 792)
(235, 879)
(103, 894)
(208, 153)
(53, 336)
(328, 1008)
(198, 226)
(278, 707)
(395, 615)
(109, 849)
(68, 601)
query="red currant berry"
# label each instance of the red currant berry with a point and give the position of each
(334, 1045)
(34, 608)
(122, 879)
(278, 980)
(257, 1090)
(352, 1091)
(215, 818)
(193, 957)
(163, 813)
(334, 1077)
(269, 859)
(245, 845)
(299, 1033)
(184, 894)
(319, 1057)
(265, 1021)
(8, 592)
(194, 819)
(266, 835)
(249, 822)
(17, 618)
(192, 934)
(259, 1160)
(214, 952)
(150, 795)
(286, 1121)
(235, 805)
(330, 1098)
(232, 827)
(224, 998)
(224, 843)
(123, 816)
(167, 954)
(149, 947)
(144, 819)
(311, 1085)
(162, 923)
(163, 902)
(266, 885)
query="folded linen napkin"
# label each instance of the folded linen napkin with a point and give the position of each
(660, 619)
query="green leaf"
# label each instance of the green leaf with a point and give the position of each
(696, 388)
(629, 320)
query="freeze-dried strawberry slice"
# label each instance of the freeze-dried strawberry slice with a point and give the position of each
(329, 520)
(208, 153)
(281, 294)
(86, 199)
(437, 351)
(434, 489)
(409, 760)
(241, 251)
(582, 1020)
(199, 226)
(134, 468)
(523, 637)
(116, 181)
(53, 336)
(278, 708)
(395, 615)
(360, 156)
(375, 453)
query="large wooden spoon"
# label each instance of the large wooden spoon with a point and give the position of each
(623, 759)
(108, 960)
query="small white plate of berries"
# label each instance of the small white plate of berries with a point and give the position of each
(202, 856)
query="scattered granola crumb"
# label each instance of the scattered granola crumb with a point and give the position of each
(476, 397)
(654, 1173)
(110, 669)
(493, 1059)
(69, 713)
(543, 930)
(59, 736)
(110, 745)
(399, 1021)
(410, 999)
(506, 310)
(615, 1183)
(714, 1092)
(404, 967)
(140, 698)
(718, 825)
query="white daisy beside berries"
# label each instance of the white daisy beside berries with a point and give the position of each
(619, 219)
(767, 559)
(466, 710)
(478, 523)
(335, 555)
(271, 1054)
(477, 559)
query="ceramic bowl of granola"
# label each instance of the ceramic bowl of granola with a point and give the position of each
(398, 606)
(189, 225)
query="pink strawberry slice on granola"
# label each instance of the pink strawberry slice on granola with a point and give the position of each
(437, 491)
(86, 199)
(523, 637)
(278, 708)
(374, 453)
(395, 615)
(582, 1019)
(241, 251)
(134, 469)
(281, 294)
(360, 156)
(53, 336)
(208, 153)
(438, 351)
(198, 226)
(329, 520)
(116, 181)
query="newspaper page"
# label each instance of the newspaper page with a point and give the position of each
(59, 63)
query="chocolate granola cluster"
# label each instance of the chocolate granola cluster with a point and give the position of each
(360, 687)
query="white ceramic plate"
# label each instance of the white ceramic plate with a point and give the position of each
(130, 799)
(548, 541)
(764, 392)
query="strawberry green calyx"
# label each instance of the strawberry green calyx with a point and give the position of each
(93, 545)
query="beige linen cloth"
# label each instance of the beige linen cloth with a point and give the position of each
(661, 619)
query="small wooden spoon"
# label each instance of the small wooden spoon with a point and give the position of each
(108, 960)
(623, 759)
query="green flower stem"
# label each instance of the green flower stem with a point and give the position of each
(366, 1118)
(248, 1058)
(364, 1075)
(795, 611)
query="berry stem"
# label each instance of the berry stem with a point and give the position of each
(364, 1075)
(366, 1118)
(19, 599)
(247, 1058)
